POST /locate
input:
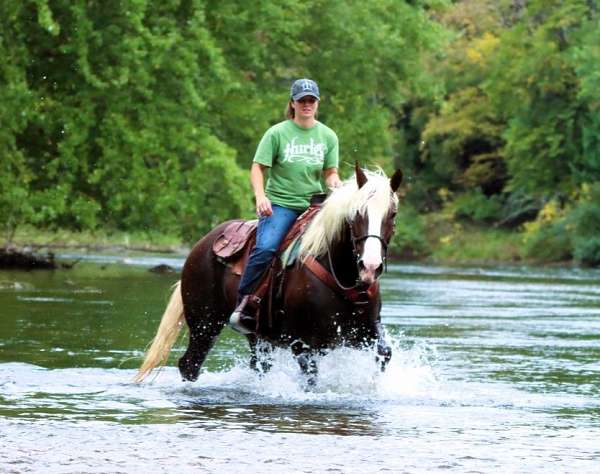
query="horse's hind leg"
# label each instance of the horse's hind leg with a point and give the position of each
(202, 338)
(205, 303)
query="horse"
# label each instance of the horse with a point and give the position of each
(328, 298)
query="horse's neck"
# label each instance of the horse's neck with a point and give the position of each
(343, 260)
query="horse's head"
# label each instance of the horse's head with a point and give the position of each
(372, 224)
(365, 208)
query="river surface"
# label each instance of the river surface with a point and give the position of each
(494, 370)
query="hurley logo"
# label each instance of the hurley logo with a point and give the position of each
(311, 153)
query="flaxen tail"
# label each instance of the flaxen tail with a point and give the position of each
(168, 330)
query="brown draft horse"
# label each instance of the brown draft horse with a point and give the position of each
(316, 310)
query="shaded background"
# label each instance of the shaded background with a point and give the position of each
(143, 116)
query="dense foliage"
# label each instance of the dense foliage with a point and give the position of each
(518, 130)
(144, 115)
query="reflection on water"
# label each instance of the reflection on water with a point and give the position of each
(307, 419)
(492, 369)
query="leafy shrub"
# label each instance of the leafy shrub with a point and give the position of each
(477, 207)
(547, 238)
(587, 251)
(409, 239)
(586, 226)
(549, 243)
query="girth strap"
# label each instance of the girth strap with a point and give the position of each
(352, 293)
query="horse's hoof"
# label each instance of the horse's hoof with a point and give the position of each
(384, 355)
(188, 370)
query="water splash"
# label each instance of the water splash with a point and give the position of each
(345, 375)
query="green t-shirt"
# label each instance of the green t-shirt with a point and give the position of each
(297, 157)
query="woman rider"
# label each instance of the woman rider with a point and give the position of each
(298, 152)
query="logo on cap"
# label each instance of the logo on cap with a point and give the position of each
(304, 87)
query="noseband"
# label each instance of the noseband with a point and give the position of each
(356, 240)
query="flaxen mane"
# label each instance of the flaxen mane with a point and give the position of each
(343, 204)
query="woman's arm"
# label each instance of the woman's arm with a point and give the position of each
(257, 179)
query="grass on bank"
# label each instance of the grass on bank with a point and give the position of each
(434, 239)
(439, 238)
(452, 241)
(478, 245)
(41, 239)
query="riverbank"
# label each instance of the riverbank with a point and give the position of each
(451, 242)
(43, 240)
(438, 242)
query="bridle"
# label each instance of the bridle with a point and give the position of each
(357, 240)
(359, 293)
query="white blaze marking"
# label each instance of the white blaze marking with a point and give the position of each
(372, 251)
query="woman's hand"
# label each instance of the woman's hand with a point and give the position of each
(263, 206)
(332, 178)
(334, 183)
(257, 177)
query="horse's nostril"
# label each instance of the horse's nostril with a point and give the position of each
(376, 271)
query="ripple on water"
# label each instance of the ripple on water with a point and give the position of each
(492, 370)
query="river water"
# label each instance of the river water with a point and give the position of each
(494, 369)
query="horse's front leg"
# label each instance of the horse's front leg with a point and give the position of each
(260, 358)
(384, 350)
(307, 360)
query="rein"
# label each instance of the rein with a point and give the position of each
(357, 294)
(353, 293)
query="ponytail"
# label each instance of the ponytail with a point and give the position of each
(290, 113)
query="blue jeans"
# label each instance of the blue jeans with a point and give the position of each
(270, 233)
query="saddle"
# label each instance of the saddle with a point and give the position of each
(233, 246)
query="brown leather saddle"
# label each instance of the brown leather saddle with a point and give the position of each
(233, 246)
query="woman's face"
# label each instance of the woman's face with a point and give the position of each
(306, 107)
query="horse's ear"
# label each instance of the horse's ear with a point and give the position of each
(396, 179)
(361, 178)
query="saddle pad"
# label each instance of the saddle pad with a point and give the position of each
(290, 254)
(234, 238)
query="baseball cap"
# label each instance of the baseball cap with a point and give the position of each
(303, 87)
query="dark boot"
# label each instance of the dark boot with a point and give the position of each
(243, 319)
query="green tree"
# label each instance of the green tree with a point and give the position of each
(534, 87)
(133, 114)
